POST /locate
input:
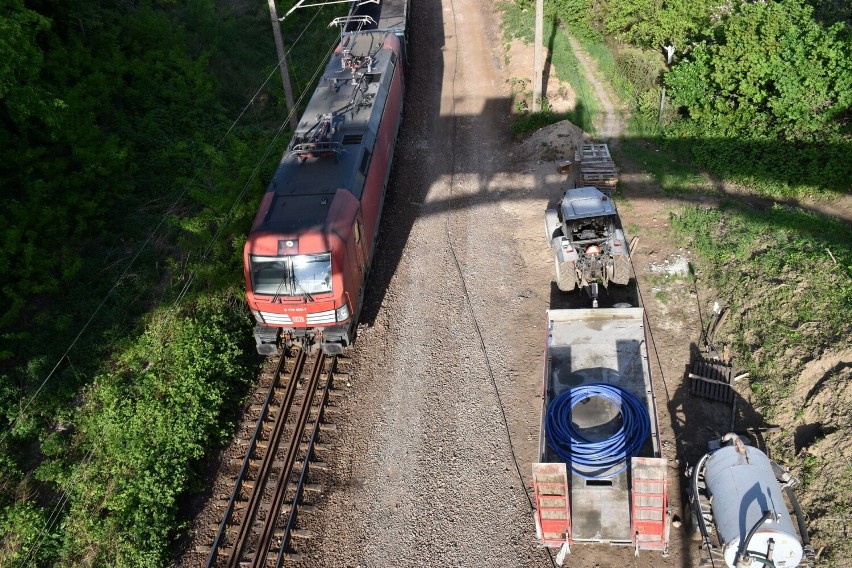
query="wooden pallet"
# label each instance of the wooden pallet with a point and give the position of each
(592, 152)
(596, 165)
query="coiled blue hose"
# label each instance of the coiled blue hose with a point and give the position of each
(576, 450)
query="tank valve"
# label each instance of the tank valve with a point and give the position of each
(738, 443)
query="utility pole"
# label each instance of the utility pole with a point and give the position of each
(282, 64)
(537, 58)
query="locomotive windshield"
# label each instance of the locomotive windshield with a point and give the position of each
(312, 273)
(295, 275)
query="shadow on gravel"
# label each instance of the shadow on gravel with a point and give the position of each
(418, 166)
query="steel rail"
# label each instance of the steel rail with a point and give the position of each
(245, 531)
(264, 544)
(251, 544)
(229, 509)
(221, 534)
(300, 486)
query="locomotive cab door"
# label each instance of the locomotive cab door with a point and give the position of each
(360, 246)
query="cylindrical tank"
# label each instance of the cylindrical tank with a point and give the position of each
(743, 488)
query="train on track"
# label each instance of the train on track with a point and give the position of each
(312, 243)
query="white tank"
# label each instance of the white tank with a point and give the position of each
(743, 487)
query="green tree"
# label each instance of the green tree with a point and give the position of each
(657, 23)
(771, 71)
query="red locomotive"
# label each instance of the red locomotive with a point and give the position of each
(311, 245)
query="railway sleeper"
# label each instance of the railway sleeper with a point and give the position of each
(253, 461)
(322, 466)
(287, 507)
(295, 557)
(300, 533)
(262, 444)
(222, 503)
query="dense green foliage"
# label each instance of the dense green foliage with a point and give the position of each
(144, 423)
(657, 23)
(771, 71)
(773, 76)
(127, 190)
(759, 93)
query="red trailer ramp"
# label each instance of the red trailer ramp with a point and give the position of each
(552, 509)
(649, 507)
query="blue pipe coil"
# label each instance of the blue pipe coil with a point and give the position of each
(577, 451)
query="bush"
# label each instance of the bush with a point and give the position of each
(146, 426)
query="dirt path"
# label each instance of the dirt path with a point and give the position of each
(611, 125)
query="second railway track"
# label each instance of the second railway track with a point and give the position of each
(259, 518)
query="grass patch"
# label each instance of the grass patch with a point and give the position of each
(519, 22)
(674, 177)
(789, 298)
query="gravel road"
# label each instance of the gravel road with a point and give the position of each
(436, 435)
(424, 472)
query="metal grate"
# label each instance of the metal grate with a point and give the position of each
(711, 379)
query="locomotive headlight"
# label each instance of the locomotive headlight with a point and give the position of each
(342, 313)
(257, 316)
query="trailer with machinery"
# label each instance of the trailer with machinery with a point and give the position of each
(601, 477)
(585, 233)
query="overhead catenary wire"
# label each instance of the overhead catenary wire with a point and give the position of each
(154, 232)
(60, 501)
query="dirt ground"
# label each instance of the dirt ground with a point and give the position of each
(430, 460)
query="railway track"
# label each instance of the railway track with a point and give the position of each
(260, 517)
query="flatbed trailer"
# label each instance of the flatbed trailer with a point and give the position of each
(623, 503)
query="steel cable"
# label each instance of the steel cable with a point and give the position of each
(581, 453)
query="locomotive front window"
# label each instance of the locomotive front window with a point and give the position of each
(271, 275)
(312, 273)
